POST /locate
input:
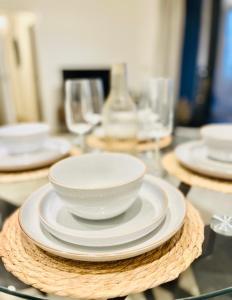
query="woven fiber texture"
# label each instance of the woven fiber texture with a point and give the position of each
(98, 143)
(12, 177)
(173, 167)
(87, 280)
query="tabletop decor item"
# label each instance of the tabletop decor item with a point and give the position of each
(83, 106)
(174, 167)
(96, 142)
(172, 162)
(194, 156)
(28, 146)
(23, 138)
(218, 141)
(119, 116)
(52, 150)
(88, 280)
(98, 185)
(31, 174)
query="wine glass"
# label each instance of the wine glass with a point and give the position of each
(160, 118)
(83, 104)
(92, 107)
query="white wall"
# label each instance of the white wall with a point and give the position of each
(72, 33)
(94, 32)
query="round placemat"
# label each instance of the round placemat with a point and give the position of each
(13, 177)
(99, 143)
(173, 167)
(88, 280)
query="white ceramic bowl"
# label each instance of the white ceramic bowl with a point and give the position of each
(23, 137)
(98, 186)
(218, 140)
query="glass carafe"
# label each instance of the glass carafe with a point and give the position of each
(119, 113)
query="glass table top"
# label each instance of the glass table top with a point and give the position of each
(208, 277)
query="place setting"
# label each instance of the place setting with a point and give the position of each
(115, 150)
(206, 162)
(108, 217)
(28, 149)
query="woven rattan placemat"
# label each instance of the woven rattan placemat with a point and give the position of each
(98, 143)
(87, 280)
(173, 167)
(12, 177)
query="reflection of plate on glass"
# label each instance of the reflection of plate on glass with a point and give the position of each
(193, 155)
(151, 205)
(30, 223)
(53, 150)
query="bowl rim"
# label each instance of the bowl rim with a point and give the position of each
(66, 186)
(43, 128)
(206, 135)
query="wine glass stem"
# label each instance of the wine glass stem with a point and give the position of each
(157, 152)
(158, 166)
(82, 143)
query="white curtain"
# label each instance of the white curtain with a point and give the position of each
(168, 38)
(7, 110)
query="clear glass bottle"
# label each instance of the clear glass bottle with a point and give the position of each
(119, 113)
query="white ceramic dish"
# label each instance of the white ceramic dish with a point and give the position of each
(23, 137)
(194, 155)
(30, 223)
(98, 186)
(218, 140)
(53, 150)
(151, 205)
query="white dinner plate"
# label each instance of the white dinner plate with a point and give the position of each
(53, 150)
(193, 155)
(29, 221)
(146, 214)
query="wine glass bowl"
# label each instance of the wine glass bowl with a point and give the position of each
(83, 105)
(92, 107)
(160, 97)
(160, 118)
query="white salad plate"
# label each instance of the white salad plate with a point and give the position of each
(52, 150)
(194, 155)
(29, 221)
(145, 214)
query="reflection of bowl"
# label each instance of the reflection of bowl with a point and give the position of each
(23, 137)
(98, 186)
(218, 140)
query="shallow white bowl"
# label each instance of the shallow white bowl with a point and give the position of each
(98, 186)
(218, 140)
(23, 137)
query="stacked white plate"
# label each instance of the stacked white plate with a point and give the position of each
(27, 146)
(154, 216)
(211, 156)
